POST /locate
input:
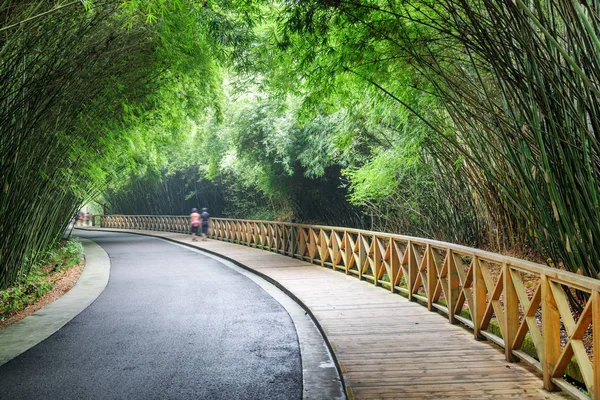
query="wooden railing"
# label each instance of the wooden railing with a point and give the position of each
(168, 223)
(519, 305)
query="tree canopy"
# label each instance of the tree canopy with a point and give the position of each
(468, 121)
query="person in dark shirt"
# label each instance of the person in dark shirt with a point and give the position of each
(205, 221)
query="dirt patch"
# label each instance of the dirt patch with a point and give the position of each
(63, 281)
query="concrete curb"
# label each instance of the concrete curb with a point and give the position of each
(307, 311)
(28, 332)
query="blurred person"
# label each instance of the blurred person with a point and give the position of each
(194, 223)
(205, 221)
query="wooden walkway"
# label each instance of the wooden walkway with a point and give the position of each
(387, 346)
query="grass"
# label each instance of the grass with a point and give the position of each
(40, 280)
(572, 373)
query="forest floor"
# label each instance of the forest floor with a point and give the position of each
(55, 278)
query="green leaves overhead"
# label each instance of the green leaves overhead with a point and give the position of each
(517, 87)
(87, 97)
(474, 122)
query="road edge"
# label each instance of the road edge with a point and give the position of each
(33, 329)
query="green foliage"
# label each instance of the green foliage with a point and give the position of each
(88, 98)
(36, 282)
(497, 144)
(468, 122)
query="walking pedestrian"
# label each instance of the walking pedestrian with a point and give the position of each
(194, 223)
(205, 221)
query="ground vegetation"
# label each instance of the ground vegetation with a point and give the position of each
(53, 272)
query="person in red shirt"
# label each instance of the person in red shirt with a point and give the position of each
(194, 223)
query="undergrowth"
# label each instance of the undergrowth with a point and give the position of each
(39, 280)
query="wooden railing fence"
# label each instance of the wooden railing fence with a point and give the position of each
(518, 305)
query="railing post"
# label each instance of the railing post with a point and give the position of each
(284, 241)
(250, 234)
(479, 298)
(335, 249)
(310, 243)
(293, 240)
(431, 276)
(395, 262)
(550, 333)
(595, 389)
(377, 260)
(283, 238)
(348, 251)
(274, 229)
(362, 255)
(511, 313)
(413, 270)
(453, 286)
(244, 227)
(256, 234)
(302, 242)
(322, 247)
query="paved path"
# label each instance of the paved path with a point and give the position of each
(387, 346)
(171, 324)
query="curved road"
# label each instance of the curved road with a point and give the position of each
(171, 324)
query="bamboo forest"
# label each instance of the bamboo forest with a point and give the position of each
(475, 122)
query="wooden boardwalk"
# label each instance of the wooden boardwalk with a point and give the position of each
(387, 346)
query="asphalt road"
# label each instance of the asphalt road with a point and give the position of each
(171, 324)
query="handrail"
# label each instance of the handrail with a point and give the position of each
(527, 301)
